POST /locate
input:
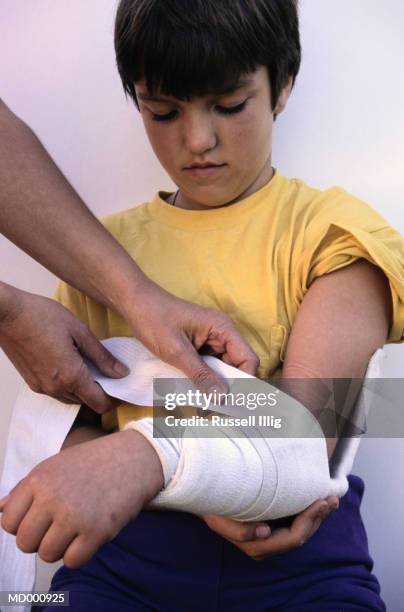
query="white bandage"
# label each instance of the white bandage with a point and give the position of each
(255, 478)
(167, 449)
(239, 476)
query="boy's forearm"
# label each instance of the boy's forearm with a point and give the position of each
(133, 448)
(131, 451)
(84, 433)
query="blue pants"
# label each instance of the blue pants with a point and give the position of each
(172, 562)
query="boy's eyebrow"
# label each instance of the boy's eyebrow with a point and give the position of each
(232, 89)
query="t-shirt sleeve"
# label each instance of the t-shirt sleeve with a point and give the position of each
(338, 230)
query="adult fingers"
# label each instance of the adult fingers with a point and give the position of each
(96, 352)
(238, 353)
(216, 330)
(185, 357)
(67, 398)
(71, 384)
(90, 393)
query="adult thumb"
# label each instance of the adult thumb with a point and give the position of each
(203, 377)
(96, 352)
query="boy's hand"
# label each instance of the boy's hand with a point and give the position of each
(72, 503)
(255, 538)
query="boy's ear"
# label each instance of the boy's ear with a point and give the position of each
(283, 96)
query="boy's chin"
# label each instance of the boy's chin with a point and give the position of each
(213, 198)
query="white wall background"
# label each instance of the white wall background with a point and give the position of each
(344, 125)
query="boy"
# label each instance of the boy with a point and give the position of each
(209, 83)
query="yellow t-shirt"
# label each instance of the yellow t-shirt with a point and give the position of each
(254, 260)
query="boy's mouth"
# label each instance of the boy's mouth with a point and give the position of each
(205, 169)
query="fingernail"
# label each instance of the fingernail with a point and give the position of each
(121, 369)
(262, 531)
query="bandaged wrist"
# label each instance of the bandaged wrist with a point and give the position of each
(167, 449)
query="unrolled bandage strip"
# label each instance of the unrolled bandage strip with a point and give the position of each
(270, 480)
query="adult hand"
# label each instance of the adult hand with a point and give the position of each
(47, 344)
(257, 540)
(175, 330)
(42, 214)
(48, 512)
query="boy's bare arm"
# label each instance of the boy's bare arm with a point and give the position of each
(343, 319)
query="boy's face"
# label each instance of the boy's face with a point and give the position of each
(232, 132)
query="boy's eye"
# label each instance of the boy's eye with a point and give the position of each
(165, 117)
(223, 110)
(231, 110)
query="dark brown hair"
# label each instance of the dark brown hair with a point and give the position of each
(187, 48)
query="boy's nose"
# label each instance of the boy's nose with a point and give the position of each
(199, 135)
